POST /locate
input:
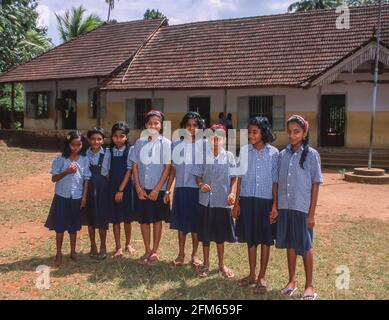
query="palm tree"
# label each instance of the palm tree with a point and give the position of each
(153, 14)
(111, 6)
(305, 5)
(72, 23)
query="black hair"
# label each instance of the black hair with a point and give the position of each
(192, 115)
(119, 126)
(154, 113)
(73, 135)
(264, 125)
(95, 130)
(221, 115)
(302, 124)
(229, 116)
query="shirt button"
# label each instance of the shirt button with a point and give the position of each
(289, 174)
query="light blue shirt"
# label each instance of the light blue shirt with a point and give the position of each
(218, 176)
(94, 160)
(262, 171)
(151, 157)
(185, 153)
(72, 185)
(295, 183)
(119, 153)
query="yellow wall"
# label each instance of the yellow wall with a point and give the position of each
(358, 130)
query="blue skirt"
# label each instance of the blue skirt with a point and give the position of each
(122, 211)
(293, 232)
(147, 211)
(253, 224)
(64, 215)
(185, 209)
(96, 213)
(215, 225)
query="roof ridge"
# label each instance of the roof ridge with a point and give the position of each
(285, 14)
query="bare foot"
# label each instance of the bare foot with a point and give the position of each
(74, 257)
(118, 254)
(93, 251)
(130, 249)
(58, 260)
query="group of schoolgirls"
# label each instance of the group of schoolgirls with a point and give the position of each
(273, 202)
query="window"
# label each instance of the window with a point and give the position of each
(272, 107)
(261, 106)
(92, 104)
(37, 105)
(136, 110)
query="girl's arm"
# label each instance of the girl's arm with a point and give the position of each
(123, 185)
(232, 196)
(139, 190)
(165, 174)
(172, 176)
(236, 210)
(312, 209)
(203, 186)
(71, 169)
(84, 194)
(274, 210)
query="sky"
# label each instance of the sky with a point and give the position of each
(177, 11)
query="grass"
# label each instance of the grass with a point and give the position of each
(359, 244)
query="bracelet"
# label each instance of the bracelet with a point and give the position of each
(167, 192)
(120, 191)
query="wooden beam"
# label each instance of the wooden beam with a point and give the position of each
(12, 105)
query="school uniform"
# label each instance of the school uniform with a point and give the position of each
(119, 163)
(294, 198)
(96, 213)
(151, 157)
(186, 190)
(65, 211)
(214, 222)
(256, 198)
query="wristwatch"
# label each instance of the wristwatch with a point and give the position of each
(167, 192)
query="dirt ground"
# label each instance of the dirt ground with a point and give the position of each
(337, 197)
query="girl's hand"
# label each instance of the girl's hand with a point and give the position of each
(311, 221)
(205, 188)
(72, 168)
(235, 210)
(83, 203)
(118, 197)
(166, 198)
(273, 215)
(231, 199)
(153, 195)
(141, 194)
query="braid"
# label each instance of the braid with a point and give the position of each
(305, 151)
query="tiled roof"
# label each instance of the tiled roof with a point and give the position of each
(94, 54)
(276, 50)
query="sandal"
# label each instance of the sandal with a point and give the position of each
(102, 256)
(261, 288)
(196, 262)
(226, 272)
(203, 271)
(245, 282)
(288, 292)
(179, 261)
(144, 259)
(153, 259)
(310, 296)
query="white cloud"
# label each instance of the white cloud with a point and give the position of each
(44, 15)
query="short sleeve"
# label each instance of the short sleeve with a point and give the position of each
(315, 168)
(167, 151)
(197, 170)
(134, 154)
(275, 166)
(86, 169)
(56, 166)
(106, 163)
(130, 162)
(232, 166)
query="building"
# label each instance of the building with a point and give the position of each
(275, 65)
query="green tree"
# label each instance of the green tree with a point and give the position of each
(153, 14)
(21, 39)
(111, 6)
(305, 5)
(73, 23)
